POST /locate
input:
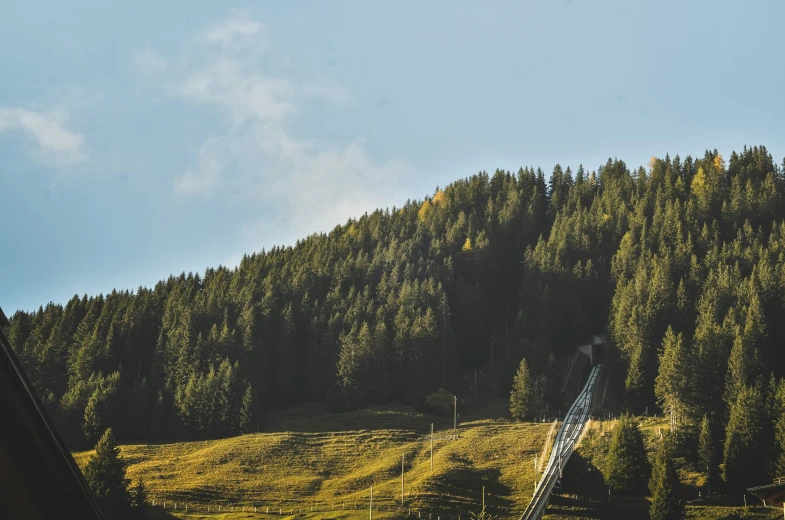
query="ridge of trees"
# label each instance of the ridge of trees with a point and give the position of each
(682, 263)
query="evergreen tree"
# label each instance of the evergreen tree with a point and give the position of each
(779, 468)
(745, 451)
(522, 395)
(139, 500)
(92, 422)
(248, 411)
(105, 474)
(626, 468)
(707, 454)
(667, 501)
(672, 382)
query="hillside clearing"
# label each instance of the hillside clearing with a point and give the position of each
(295, 468)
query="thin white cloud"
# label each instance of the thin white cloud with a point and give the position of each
(57, 144)
(257, 157)
(328, 89)
(205, 175)
(245, 96)
(238, 32)
(149, 63)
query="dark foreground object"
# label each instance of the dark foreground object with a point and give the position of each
(38, 477)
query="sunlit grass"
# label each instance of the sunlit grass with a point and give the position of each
(297, 466)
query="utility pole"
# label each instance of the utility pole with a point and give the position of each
(483, 498)
(370, 509)
(431, 447)
(403, 457)
(455, 418)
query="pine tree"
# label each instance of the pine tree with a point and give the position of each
(707, 454)
(139, 500)
(667, 501)
(105, 474)
(248, 411)
(91, 425)
(672, 382)
(522, 394)
(779, 468)
(745, 453)
(626, 467)
(777, 417)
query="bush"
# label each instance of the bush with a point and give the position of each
(441, 402)
(626, 467)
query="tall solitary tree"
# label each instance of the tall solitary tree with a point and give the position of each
(626, 467)
(666, 494)
(707, 454)
(105, 474)
(522, 394)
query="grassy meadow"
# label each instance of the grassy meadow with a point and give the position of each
(311, 464)
(308, 458)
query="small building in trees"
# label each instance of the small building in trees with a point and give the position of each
(772, 495)
(594, 349)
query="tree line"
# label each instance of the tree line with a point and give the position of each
(681, 262)
(393, 305)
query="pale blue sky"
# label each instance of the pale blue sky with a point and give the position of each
(150, 138)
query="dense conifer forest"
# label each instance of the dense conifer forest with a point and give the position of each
(681, 263)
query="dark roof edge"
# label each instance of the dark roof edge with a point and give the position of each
(60, 458)
(4, 324)
(767, 487)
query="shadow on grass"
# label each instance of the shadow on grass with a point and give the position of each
(460, 489)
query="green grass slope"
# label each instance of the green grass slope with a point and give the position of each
(309, 458)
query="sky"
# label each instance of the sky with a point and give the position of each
(142, 139)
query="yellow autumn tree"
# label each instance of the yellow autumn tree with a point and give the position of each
(652, 162)
(699, 183)
(439, 197)
(467, 246)
(719, 163)
(425, 209)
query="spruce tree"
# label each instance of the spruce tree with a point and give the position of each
(777, 418)
(666, 493)
(522, 394)
(626, 468)
(707, 454)
(779, 467)
(671, 385)
(745, 452)
(105, 474)
(247, 411)
(91, 425)
(139, 500)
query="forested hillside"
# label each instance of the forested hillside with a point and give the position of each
(682, 263)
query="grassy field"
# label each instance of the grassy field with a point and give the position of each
(308, 458)
(585, 496)
(311, 464)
